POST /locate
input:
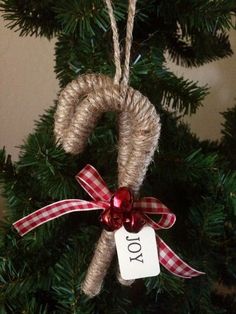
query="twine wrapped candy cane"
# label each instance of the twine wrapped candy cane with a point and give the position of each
(80, 106)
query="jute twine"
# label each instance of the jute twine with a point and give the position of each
(80, 105)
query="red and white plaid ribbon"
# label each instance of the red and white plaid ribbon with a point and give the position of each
(94, 185)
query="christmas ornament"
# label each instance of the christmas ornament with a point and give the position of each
(80, 106)
(122, 203)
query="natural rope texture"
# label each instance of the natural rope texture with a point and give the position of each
(125, 123)
(128, 42)
(105, 243)
(124, 120)
(80, 105)
(116, 45)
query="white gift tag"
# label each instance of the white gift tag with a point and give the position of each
(137, 253)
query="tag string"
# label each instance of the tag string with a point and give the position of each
(128, 42)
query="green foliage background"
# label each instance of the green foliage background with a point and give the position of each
(42, 272)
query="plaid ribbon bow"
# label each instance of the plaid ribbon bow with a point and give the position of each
(94, 185)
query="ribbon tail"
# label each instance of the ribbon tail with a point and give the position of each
(173, 263)
(51, 212)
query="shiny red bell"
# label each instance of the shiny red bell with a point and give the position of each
(122, 200)
(134, 222)
(121, 213)
(111, 220)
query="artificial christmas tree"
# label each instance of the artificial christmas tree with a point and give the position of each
(43, 271)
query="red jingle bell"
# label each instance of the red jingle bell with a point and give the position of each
(122, 200)
(134, 222)
(121, 213)
(111, 220)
